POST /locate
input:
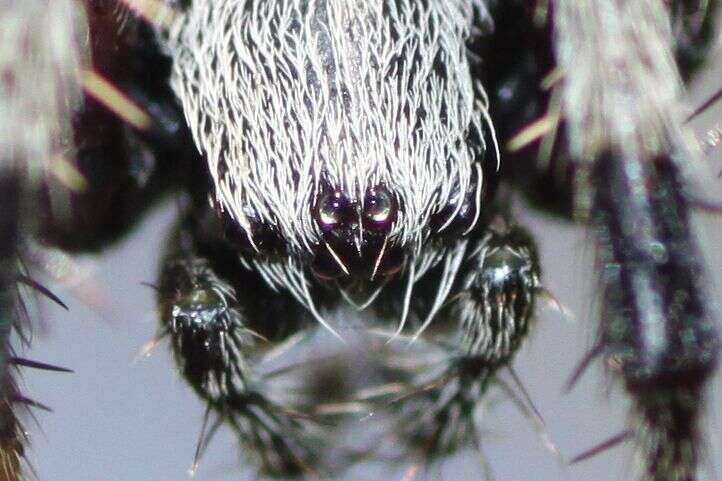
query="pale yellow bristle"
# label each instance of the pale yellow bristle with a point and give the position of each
(153, 11)
(533, 131)
(109, 95)
(552, 78)
(68, 174)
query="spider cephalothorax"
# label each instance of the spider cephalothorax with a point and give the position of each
(342, 130)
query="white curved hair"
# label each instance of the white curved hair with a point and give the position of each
(283, 95)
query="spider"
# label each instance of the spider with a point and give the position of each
(418, 268)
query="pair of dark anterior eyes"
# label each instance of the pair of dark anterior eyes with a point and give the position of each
(355, 235)
(334, 211)
(338, 218)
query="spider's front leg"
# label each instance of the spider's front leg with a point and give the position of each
(613, 142)
(656, 322)
(129, 142)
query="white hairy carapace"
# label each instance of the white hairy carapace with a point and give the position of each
(285, 96)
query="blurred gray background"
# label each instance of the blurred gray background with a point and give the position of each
(116, 419)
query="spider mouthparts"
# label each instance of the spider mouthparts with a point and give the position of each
(352, 260)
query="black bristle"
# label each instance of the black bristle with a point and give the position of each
(30, 282)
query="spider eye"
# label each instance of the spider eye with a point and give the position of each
(380, 209)
(462, 221)
(331, 210)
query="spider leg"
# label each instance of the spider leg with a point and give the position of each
(129, 142)
(38, 91)
(629, 184)
(655, 320)
(525, 89)
(694, 27)
(72, 173)
(11, 434)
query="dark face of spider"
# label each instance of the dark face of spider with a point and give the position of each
(355, 240)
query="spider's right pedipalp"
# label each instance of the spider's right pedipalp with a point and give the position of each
(220, 318)
(497, 294)
(214, 348)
